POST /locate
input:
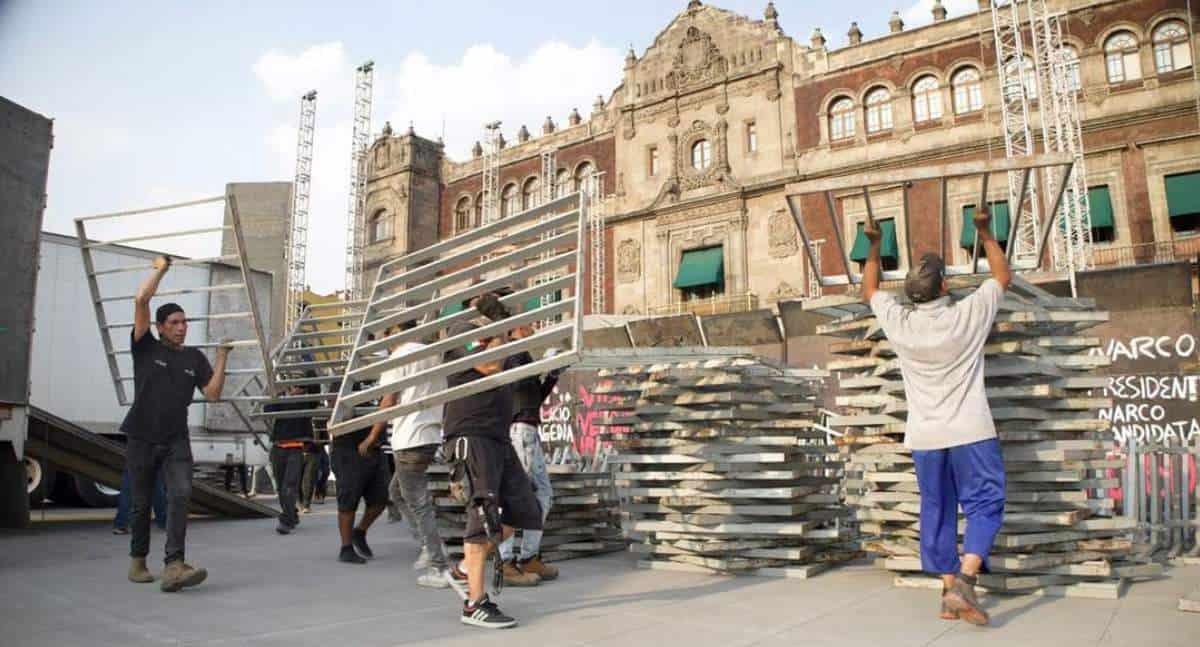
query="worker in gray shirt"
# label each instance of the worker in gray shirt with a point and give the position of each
(939, 343)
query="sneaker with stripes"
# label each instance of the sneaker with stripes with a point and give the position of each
(486, 614)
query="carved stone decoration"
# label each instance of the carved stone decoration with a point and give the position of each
(784, 291)
(382, 157)
(690, 177)
(629, 261)
(698, 61)
(781, 235)
(631, 310)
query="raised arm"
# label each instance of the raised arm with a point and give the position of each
(871, 269)
(141, 302)
(216, 383)
(995, 255)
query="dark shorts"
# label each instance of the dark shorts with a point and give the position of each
(495, 473)
(359, 478)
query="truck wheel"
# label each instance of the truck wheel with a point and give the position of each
(93, 494)
(63, 492)
(39, 480)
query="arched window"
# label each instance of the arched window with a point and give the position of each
(531, 193)
(1121, 57)
(1028, 76)
(927, 99)
(380, 226)
(1172, 51)
(879, 110)
(968, 91)
(478, 210)
(583, 176)
(701, 154)
(562, 183)
(462, 214)
(841, 119)
(508, 201)
(1070, 59)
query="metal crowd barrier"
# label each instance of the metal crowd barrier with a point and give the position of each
(516, 252)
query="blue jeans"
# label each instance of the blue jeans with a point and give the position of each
(529, 450)
(125, 502)
(970, 475)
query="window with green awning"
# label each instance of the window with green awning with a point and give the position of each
(536, 302)
(888, 247)
(1100, 206)
(701, 267)
(1000, 224)
(1183, 194)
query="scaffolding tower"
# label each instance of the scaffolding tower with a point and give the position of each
(356, 202)
(1062, 132)
(296, 247)
(491, 173)
(593, 193)
(1018, 139)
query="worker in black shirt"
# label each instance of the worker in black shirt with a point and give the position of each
(476, 429)
(363, 474)
(290, 439)
(165, 375)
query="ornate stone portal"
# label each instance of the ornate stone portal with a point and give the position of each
(722, 223)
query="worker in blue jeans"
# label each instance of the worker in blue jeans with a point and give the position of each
(125, 501)
(939, 344)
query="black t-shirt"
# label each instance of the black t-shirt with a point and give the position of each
(484, 414)
(164, 381)
(285, 429)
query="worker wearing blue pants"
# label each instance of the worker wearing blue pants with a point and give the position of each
(939, 344)
(971, 475)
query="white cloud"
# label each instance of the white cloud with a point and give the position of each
(921, 13)
(286, 77)
(483, 85)
(487, 84)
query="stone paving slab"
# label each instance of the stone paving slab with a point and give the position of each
(64, 584)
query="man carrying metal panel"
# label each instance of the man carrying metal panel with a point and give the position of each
(415, 439)
(498, 492)
(166, 373)
(940, 347)
(291, 440)
(362, 475)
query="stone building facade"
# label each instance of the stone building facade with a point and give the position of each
(721, 111)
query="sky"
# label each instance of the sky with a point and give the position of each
(156, 103)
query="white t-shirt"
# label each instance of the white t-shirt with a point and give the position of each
(940, 348)
(422, 427)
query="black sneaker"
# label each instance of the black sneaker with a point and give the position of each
(359, 540)
(487, 615)
(349, 556)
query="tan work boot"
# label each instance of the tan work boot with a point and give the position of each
(178, 575)
(960, 598)
(138, 572)
(514, 576)
(535, 565)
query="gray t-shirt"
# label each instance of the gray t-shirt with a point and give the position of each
(940, 348)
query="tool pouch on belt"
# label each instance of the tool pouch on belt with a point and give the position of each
(455, 453)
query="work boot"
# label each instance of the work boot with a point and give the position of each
(138, 572)
(535, 565)
(960, 598)
(178, 575)
(514, 576)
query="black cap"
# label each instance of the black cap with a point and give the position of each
(924, 282)
(166, 310)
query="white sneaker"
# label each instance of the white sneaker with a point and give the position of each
(433, 579)
(422, 562)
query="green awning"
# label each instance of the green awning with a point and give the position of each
(536, 302)
(701, 267)
(888, 248)
(1000, 223)
(1100, 205)
(1183, 194)
(451, 309)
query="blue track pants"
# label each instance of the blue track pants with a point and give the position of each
(968, 475)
